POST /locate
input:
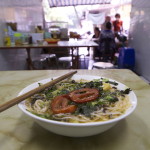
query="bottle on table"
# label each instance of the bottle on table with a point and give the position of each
(7, 39)
(18, 39)
(30, 41)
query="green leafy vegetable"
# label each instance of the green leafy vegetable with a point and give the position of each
(112, 82)
(85, 109)
(111, 98)
(126, 91)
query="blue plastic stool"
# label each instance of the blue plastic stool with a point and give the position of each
(126, 58)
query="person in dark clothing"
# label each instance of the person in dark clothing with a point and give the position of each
(107, 44)
(96, 33)
(96, 37)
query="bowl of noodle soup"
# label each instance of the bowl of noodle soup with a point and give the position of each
(81, 106)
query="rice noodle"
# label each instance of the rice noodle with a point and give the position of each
(111, 111)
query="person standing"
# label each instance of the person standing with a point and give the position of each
(107, 19)
(118, 25)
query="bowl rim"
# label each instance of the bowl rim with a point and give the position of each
(127, 113)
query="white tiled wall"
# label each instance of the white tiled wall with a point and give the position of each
(26, 13)
(140, 36)
(30, 11)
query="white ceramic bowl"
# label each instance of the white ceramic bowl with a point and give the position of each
(77, 129)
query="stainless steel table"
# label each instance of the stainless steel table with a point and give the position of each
(72, 44)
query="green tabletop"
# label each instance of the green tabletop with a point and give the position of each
(19, 132)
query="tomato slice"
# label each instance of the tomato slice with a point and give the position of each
(84, 95)
(60, 105)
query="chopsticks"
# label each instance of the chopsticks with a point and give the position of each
(34, 91)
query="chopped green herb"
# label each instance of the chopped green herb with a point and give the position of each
(111, 98)
(112, 82)
(126, 91)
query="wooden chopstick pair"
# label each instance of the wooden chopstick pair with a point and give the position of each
(34, 91)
